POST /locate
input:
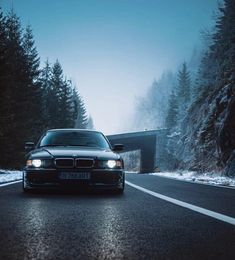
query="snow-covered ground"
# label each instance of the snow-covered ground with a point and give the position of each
(208, 178)
(9, 175)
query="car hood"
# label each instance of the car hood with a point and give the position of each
(75, 152)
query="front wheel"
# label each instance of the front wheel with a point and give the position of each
(120, 191)
(24, 185)
(121, 186)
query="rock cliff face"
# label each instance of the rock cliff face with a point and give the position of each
(226, 137)
(207, 140)
(207, 131)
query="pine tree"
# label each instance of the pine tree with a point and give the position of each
(75, 105)
(184, 84)
(47, 94)
(81, 120)
(4, 96)
(172, 114)
(90, 123)
(3, 61)
(183, 91)
(57, 83)
(224, 45)
(31, 54)
(16, 93)
(34, 90)
(66, 104)
(61, 107)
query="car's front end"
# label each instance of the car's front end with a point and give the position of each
(63, 172)
(73, 168)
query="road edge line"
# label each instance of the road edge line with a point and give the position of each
(213, 214)
(10, 183)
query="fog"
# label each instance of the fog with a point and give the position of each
(114, 50)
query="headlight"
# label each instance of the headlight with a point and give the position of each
(114, 164)
(111, 163)
(35, 163)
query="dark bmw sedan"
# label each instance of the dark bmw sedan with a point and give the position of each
(73, 158)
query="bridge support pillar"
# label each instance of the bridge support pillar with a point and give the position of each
(148, 155)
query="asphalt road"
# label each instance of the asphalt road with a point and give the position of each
(135, 225)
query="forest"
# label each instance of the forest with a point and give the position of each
(33, 98)
(197, 103)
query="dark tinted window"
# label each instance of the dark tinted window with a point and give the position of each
(74, 138)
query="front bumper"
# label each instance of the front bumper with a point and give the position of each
(49, 178)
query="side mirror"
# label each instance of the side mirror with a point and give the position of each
(29, 146)
(118, 147)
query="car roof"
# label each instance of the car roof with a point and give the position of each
(72, 130)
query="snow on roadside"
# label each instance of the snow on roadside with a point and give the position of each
(9, 175)
(207, 178)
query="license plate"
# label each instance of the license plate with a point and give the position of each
(75, 175)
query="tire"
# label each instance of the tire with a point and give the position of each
(121, 190)
(24, 188)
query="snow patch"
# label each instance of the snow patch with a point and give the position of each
(212, 178)
(10, 175)
(173, 134)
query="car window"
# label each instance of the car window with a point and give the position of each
(75, 138)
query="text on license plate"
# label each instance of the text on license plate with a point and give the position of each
(75, 175)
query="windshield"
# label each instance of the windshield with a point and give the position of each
(74, 138)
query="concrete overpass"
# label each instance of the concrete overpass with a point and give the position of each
(150, 143)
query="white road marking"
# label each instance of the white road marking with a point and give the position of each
(9, 183)
(203, 211)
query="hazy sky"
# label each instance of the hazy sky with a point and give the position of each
(113, 49)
